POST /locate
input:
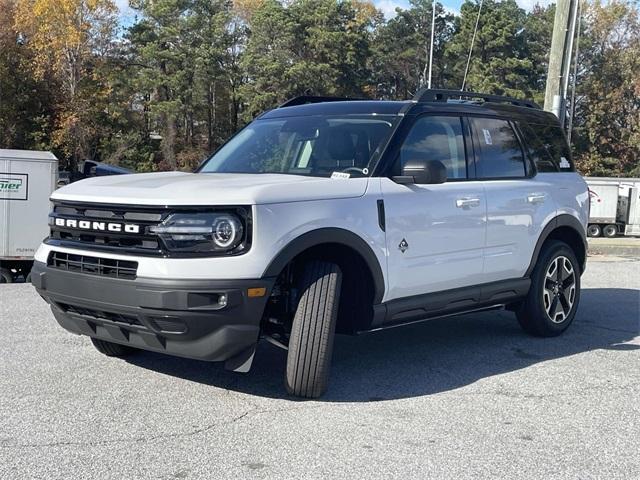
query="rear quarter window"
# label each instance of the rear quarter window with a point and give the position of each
(548, 147)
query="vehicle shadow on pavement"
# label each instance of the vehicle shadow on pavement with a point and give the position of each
(430, 357)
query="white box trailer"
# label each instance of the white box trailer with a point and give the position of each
(27, 179)
(615, 207)
(604, 203)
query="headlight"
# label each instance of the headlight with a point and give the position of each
(201, 232)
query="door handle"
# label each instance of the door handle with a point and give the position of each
(536, 198)
(467, 202)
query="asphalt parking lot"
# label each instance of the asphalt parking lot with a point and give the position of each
(467, 397)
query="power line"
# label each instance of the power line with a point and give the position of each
(473, 39)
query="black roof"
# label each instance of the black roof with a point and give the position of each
(349, 107)
(408, 107)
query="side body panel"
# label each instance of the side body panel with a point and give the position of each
(443, 242)
(517, 212)
(570, 194)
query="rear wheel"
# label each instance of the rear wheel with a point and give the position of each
(553, 298)
(6, 276)
(610, 231)
(594, 230)
(111, 349)
(313, 330)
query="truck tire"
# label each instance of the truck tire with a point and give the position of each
(313, 330)
(111, 349)
(594, 230)
(610, 231)
(6, 276)
(552, 301)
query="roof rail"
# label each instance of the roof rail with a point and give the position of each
(431, 95)
(304, 99)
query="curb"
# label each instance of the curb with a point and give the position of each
(616, 250)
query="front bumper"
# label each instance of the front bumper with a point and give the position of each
(177, 317)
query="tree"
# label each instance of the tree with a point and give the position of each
(538, 29)
(69, 41)
(500, 61)
(400, 67)
(319, 46)
(607, 123)
(25, 101)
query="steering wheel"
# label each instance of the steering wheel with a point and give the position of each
(362, 171)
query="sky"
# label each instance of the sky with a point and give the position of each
(388, 7)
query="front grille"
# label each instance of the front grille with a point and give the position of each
(92, 228)
(106, 267)
(100, 315)
(142, 242)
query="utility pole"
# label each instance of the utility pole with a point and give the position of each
(433, 26)
(564, 27)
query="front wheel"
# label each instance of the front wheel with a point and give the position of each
(111, 349)
(552, 301)
(6, 276)
(313, 330)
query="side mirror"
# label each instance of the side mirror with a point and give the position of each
(422, 172)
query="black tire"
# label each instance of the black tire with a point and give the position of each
(6, 276)
(533, 313)
(111, 349)
(313, 330)
(610, 231)
(594, 230)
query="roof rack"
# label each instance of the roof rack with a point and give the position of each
(304, 99)
(431, 95)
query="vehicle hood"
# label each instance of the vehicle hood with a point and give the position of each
(178, 188)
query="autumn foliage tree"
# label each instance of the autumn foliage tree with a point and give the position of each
(69, 41)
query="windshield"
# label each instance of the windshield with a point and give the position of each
(313, 145)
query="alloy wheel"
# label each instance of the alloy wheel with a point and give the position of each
(559, 289)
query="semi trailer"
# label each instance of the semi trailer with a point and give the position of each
(615, 206)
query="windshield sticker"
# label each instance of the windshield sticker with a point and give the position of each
(487, 137)
(340, 175)
(564, 163)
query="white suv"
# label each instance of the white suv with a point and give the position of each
(326, 216)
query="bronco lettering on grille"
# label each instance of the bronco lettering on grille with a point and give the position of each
(97, 226)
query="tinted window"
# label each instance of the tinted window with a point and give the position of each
(537, 150)
(437, 138)
(500, 154)
(315, 145)
(552, 139)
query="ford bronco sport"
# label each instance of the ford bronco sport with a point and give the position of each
(326, 216)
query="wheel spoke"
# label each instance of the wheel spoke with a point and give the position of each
(565, 302)
(566, 270)
(568, 283)
(553, 309)
(569, 296)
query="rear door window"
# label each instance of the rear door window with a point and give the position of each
(499, 151)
